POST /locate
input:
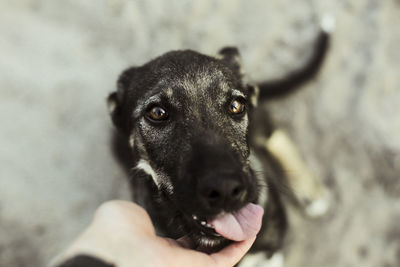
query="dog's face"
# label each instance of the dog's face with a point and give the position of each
(187, 117)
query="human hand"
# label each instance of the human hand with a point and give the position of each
(122, 234)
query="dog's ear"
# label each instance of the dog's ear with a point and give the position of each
(231, 57)
(254, 93)
(116, 100)
(114, 108)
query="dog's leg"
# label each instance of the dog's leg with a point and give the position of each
(308, 190)
(260, 259)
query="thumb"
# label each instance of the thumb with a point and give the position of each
(232, 254)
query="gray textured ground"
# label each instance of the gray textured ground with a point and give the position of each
(59, 60)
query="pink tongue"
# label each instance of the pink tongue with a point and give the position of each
(240, 225)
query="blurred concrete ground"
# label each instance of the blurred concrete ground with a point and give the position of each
(60, 59)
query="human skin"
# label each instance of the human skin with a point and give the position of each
(121, 233)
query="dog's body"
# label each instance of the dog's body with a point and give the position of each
(199, 145)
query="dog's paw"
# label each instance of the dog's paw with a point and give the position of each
(318, 207)
(260, 259)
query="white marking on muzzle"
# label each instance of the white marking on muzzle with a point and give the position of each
(131, 140)
(159, 181)
(145, 166)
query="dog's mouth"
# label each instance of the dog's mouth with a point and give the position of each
(204, 227)
(236, 226)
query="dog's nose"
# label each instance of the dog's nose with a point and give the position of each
(222, 193)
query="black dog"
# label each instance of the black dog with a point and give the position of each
(197, 145)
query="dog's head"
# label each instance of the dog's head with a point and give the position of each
(187, 118)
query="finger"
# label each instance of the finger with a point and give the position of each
(232, 254)
(173, 254)
(228, 257)
(125, 216)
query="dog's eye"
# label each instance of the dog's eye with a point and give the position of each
(157, 114)
(237, 106)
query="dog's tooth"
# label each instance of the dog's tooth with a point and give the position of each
(209, 225)
(203, 222)
(202, 233)
(194, 217)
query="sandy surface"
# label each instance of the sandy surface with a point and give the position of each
(60, 59)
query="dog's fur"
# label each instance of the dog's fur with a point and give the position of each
(201, 147)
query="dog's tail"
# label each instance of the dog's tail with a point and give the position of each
(285, 85)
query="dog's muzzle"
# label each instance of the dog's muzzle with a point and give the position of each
(222, 191)
(219, 193)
